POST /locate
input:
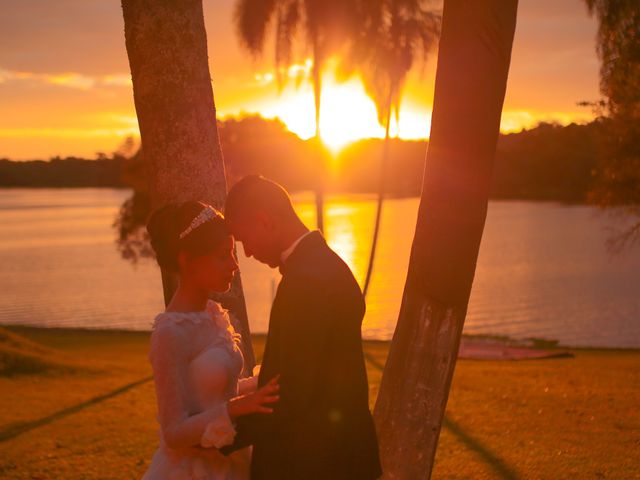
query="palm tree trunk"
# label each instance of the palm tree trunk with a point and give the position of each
(317, 92)
(167, 48)
(473, 64)
(381, 192)
(396, 111)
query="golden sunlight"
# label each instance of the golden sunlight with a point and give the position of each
(347, 114)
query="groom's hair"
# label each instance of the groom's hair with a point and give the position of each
(255, 193)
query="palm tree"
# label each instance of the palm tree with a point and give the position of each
(471, 78)
(327, 25)
(384, 53)
(167, 50)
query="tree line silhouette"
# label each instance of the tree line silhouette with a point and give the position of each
(548, 162)
(66, 172)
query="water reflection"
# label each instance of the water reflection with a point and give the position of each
(543, 268)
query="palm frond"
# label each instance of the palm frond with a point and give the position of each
(288, 18)
(399, 33)
(252, 19)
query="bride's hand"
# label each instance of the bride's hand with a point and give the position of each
(255, 402)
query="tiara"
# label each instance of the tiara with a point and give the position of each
(207, 213)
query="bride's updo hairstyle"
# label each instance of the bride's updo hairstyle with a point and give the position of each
(192, 227)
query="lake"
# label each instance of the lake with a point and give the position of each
(543, 270)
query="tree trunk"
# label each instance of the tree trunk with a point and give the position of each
(382, 181)
(167, 48)
(317, 93)
(471, 77)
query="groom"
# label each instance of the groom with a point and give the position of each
(321, 428)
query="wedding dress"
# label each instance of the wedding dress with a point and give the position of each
(196, 363)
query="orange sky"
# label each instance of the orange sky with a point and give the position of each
(65, 85)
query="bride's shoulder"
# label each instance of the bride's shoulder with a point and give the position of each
(214, 313)
(169, 337)
(218, 314)
(167, 322)
(216, 309)
(222, 320)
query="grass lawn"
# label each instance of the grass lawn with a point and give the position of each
(85, 409)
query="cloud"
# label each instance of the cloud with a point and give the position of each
(68, 133)
(117, 80)
(72, 80)
(98, 125)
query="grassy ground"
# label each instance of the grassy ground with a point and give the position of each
(87, 411)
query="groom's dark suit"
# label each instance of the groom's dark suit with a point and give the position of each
(321, 428)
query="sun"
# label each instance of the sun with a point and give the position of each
(347, 114)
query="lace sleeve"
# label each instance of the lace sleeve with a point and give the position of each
(247, 385)
(169, 357)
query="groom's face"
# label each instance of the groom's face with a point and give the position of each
(258, 236)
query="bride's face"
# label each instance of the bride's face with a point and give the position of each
(213, 271)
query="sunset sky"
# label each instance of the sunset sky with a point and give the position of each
(65, 86)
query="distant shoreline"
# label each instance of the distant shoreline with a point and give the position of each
(548, 162)
(371, 194)
(476, 338)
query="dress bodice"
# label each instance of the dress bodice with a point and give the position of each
(197, 362)
(214, 359)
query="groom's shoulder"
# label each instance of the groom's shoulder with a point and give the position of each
(321, 264)
(322, 271)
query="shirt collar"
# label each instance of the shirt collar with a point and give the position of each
(287, 253)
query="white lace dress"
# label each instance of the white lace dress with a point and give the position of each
(196, 363)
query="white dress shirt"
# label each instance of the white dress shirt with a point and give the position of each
(286, 253)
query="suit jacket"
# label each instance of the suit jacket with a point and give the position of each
(321, 428)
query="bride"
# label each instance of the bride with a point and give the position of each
(195, 351)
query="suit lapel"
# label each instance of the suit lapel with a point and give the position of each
(270, 363)
(301, 252)
(271, 358)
